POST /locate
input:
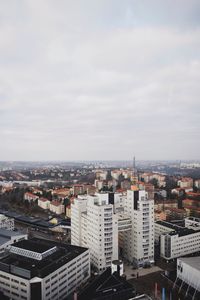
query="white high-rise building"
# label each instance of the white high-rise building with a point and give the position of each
(138, 243)
(94, 225)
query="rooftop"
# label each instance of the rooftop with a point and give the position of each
(194, 262)
(6, 235)
(176, 229)
(41, 268)
(33, 245)
(107, 286)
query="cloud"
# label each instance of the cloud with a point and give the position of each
(99, 80)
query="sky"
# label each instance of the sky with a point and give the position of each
(99, 79)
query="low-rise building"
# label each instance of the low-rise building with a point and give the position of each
(6, 223)
(175, 213)
(44, 203)
(30, 197)
(160, 215)
(164, 204)
(188, 273)
(43, 270)
(197, 183)
(8, 237)
(180, 242)
(162, 227)
(57, 207)
(185, 182)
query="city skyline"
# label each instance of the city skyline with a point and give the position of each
(98, 80)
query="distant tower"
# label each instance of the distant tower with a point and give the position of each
(134, 178)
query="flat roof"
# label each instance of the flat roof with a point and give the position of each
(33, 245)
(9, 233)
(176, 229)
(194, 262)
(40, 268)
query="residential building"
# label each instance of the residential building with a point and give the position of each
(115, 174)
(43, 270)
(147, 177)
(160, 215)
(197, 183)
(78, 189)
(139, 241)
(57, 207)
(62, 193)
(185, 182)
(30, 197)
(175, 213)
(93, 224)
(101, 174)
(164, 204)
(99, 184)
(44, 203)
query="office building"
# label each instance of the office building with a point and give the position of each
(179, 242)
(8, 237)
(43, 270)
(188, 274)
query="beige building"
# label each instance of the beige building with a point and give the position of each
(56, 207)
(44, 203)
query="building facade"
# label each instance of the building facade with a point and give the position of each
(6, 223)
(94, 225)
(43, 270)
(179, 243)
(139, 241)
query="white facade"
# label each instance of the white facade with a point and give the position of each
(185, 182)
(30, 197)
(197, 183)
(77, 235)
(6, 223)
(174, 244)
(139, 241)
(57, 285)
(192, 222)
(188, 270)
(57, 208)
(94, 225)
(7, 238)
(161, 228)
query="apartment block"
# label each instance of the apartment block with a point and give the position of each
(139, 241)
(94, 225)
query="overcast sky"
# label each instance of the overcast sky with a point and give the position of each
(99, 79)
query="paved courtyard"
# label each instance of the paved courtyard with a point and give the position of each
(134, 273)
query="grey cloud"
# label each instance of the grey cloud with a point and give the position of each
(99, 80)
